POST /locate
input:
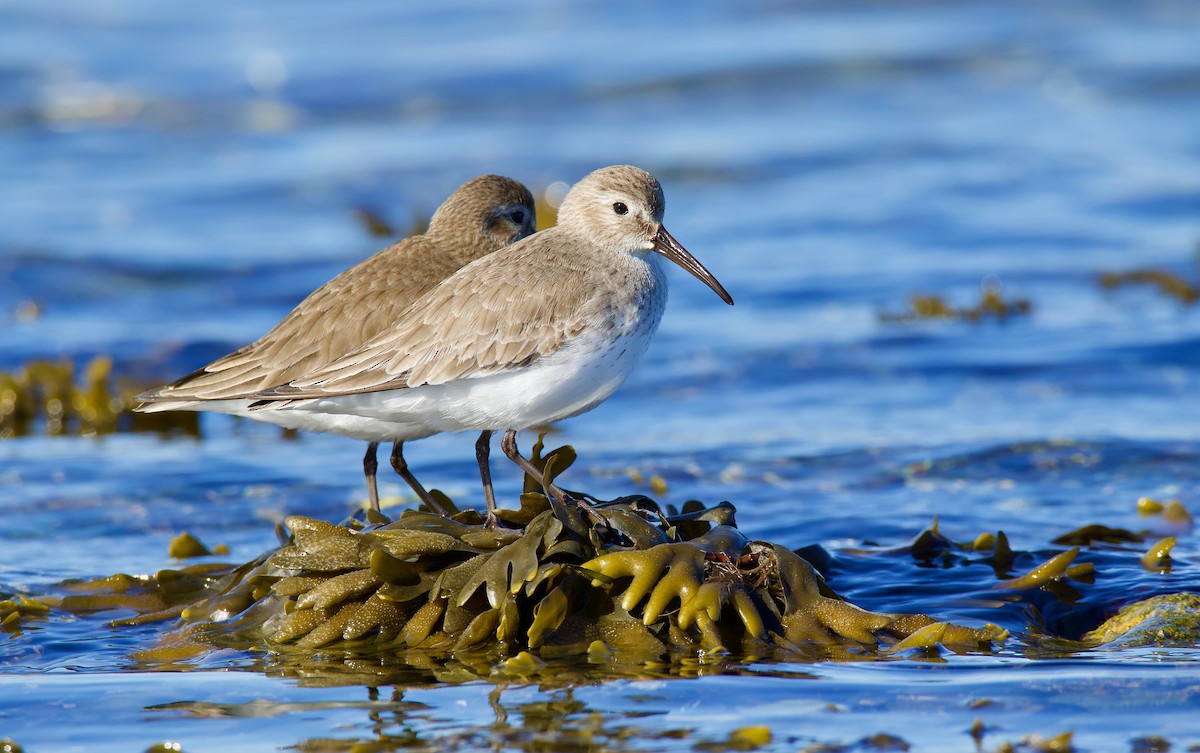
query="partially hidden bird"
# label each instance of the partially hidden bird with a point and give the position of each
(348, 313)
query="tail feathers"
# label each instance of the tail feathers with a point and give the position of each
(151, 405)
(236, 407)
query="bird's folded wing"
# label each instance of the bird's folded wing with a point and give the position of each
(338, 318)
(466, 327)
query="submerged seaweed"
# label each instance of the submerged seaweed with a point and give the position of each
(599, 589)
(613, 582)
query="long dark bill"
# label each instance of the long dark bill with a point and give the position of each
(665, 244)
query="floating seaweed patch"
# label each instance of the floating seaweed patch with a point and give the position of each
(16, 611)
(992, 305)
(1057, 592)
(56, 398)
(546, 207)
(186, 546)
(1167, 283)
(1158, 557)
(1173, 512)
(742, 738)
(377, 226)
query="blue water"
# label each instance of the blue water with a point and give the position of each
(173, 178)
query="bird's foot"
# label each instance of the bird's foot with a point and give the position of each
(490, 521)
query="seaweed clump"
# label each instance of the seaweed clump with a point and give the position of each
(17, 608)
(992, 305)
(58, 399)
(1167, 283)
(592, 579)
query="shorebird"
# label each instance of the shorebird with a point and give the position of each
(343, 315)
(534, 333)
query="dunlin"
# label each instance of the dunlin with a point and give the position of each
(536, 332)
(345, 314)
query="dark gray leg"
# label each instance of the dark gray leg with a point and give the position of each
(565, 507)
(509, 445)
(483, 449)
(401, 467)
(370, 466)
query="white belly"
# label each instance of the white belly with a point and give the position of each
(343, 424)
(574, 379)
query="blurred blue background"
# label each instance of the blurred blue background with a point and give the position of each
(175, 177)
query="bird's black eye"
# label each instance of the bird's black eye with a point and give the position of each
(620, 208)
(518, 217)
